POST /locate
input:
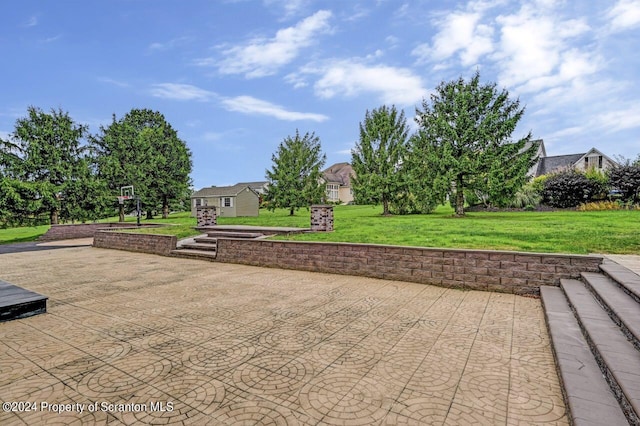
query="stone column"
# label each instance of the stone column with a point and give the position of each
(206, 216)
(321, 218)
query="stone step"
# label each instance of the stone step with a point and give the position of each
(622, 309)
(206, 240)
(194, 254)
(588, 396)
(199, 246)
(234, 234)
(618, 359)
(628, 280)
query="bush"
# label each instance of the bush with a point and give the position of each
(607, 205)
(626, 179)
(527, 196)
(569, 189)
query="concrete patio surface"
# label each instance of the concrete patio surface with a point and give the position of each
(139, 338)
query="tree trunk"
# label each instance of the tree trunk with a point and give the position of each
(121, 213)
(459, 197)
(149, 214)
(165, 207)
(53, 217)
(290, 211)
(385, 207)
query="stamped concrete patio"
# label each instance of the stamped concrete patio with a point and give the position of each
(216, 343)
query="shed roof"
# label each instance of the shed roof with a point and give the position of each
(339, 173)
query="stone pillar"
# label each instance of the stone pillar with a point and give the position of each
(206, 216)
(321, 218)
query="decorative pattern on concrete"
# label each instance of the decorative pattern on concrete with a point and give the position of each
(215, 343)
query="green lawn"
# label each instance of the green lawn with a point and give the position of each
(553, 232)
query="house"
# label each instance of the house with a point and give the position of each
(230, 201)
(337, 179)
(259, 187)
(592, 159)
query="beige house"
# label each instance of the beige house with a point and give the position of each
(230, 201)
(337, 179)
(592, 159)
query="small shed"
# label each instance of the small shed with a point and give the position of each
(230, 201)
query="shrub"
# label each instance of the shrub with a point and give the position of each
(600, 206)
(569, 189)
(626, 179)
(527, 196)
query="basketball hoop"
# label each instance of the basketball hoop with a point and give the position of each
(122, 198)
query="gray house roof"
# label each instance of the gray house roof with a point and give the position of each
(220, 191)
(557, 162)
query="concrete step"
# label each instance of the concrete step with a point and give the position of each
(206, 240)
(618, 359)
(628, 280)
(622, 309)
(199, 246)
(234, 234)
(194, 254)
(589, 398)
(17, 302)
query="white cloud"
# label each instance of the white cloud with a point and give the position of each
(113, 82)
(251, 105)
(621, 119)
(344, 78)
(290, 7)
(262, 57)
(181, 92)
(532, 52)
(167, 45)
(32, 22)
(460, 33)
(625, 14)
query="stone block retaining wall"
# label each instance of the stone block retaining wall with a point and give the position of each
(145, 243)
(510, 272)
(82, 230)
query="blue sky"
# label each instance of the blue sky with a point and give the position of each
(235, 78)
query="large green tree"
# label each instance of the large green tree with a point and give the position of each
(294, 180)
(41, 162)
(143, 150)
(464, 142)
(378, 155)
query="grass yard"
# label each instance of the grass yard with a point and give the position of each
(613, 232)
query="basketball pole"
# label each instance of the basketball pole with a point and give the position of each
(138, 208)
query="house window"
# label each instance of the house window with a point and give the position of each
(197, 202)
(600, 161)
(333, 192)
(226, 202)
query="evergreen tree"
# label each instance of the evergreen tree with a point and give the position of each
(41, 162)
(464, 142)
(143, 150)
(378, 156)
(294, 180)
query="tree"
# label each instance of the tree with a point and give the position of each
(143, 150)
(463, 142)
(294, 180)
(625, 177)
(41, 162)
(377, 157)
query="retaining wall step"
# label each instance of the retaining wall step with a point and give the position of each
(622, 309)
(618, 359)
(589, 398)
(628, 280)
(206, 240)
(234, 234)
(194, 254)
(199, 246)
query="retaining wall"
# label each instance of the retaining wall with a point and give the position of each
(144, 243)
(510, 272)
(82, 230)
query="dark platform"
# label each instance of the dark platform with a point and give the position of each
(17, 302)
